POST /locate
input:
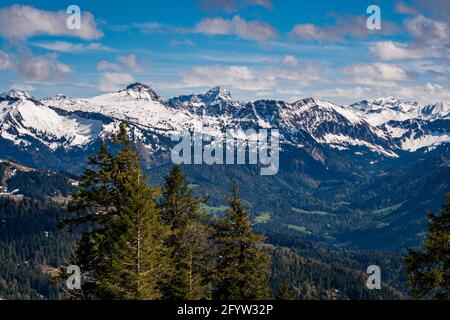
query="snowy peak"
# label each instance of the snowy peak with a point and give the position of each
(439, 109)
(138, 91)
(212, 97)
(214, 102)
(218, 94)
(383, 125)
(322, 110)
(383, 110)
(15, 95)
(27, 121)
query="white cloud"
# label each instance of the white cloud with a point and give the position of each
(4, 60)
(355, 93)
(19, 22)
(428, 93)
(126, 63)
(69, 47)
(433, 68)
(22, 87)
(286, 73)
(289, 60)
(378, 71)
(130, 63)
(112, 81)
(302, 74)
(249, 30)
(239, 77)
(343, 27)
(428, 32)
(106, 65)
(389, 50)
(44, 68)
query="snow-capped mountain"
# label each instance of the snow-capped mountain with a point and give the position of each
(24, 120)
(214, 102)
(410, 125)
(386, 127)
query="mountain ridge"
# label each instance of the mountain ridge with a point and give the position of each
(384, 126)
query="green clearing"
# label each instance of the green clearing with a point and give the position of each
(263, 217)
(389, 209)
(214, 210)
(314, 212)
(298, 228)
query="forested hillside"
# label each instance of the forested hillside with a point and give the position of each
(32, 247)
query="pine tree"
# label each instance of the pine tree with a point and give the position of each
(429, 270)
(242, 268)
(122, 255)
(188, 241)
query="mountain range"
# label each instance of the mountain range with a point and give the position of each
(385, 126)
(372, 167)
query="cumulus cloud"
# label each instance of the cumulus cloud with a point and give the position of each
(43, 69)
(19, 22)
(424, 94)
(239, 77)
(69, 47)
(440, 69)
(106, 65)
(289, 60)
(237, 26)
(125, 62)
(430, 38)
(130, 63)
(286, 72)
(378, 71)
(5, 61)
(428, 32)
(231, 6)
(389, 50)
(113, 81)
(353, 92)
(343, 27)
(428, 93)
(299, 74)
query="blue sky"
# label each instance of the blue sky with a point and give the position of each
(259, 49)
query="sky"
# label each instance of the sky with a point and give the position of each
(258, 49)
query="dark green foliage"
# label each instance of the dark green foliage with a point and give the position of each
(123, 256)
(311, 279)
(188, 240)
(138, 243)
(429, 269)
(30, 246)
(242, 266)
(39, 184)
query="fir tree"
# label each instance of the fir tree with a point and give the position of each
(188, 241)
(242, 267)
(429, 270)
(122, 255)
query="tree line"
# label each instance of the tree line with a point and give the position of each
(145, 242)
